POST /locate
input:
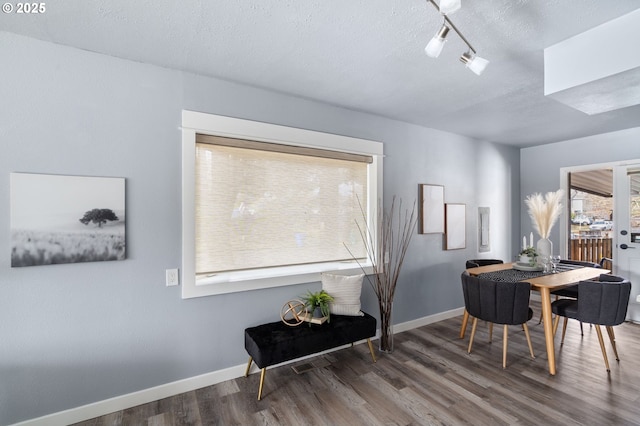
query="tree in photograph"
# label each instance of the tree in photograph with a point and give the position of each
(99, 216)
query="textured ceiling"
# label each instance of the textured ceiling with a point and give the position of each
(366, 55)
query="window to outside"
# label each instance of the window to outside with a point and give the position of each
(260, 209)
(267, 205)
(634, 205)
(591, 215)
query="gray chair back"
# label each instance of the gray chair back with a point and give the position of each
(607, 260)
(476, 263)
(604, 302)
(496, 302)
(580, 263)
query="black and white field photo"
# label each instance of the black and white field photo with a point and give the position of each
(66, 219)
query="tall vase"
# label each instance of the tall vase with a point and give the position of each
(544, 247)
(386, 326)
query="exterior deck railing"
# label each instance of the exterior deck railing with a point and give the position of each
(591, 249)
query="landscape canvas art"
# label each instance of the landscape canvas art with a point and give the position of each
(66, 219)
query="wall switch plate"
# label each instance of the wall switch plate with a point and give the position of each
(171, 276)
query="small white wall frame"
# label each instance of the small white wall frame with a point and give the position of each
(431, 209)
(455, 226)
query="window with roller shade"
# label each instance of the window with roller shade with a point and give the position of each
(263, 205)
(267, 205)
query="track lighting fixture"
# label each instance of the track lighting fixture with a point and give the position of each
(447, 7)
(436, 44)
(472, 61)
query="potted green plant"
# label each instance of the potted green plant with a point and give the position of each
(318, 303)
(528, 255)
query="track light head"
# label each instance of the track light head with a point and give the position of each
(435, 45)
(434, 48)
(474, 62)
(447, 7)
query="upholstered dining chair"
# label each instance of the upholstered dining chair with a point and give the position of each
(606, 261)
(602, 302)
(475, 263)
(571, 291)
(496, 302)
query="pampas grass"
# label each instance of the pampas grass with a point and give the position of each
(544, 211)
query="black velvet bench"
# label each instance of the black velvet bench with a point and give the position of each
(276, 342)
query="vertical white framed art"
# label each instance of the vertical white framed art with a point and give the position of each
(431, 209)
(455, 227)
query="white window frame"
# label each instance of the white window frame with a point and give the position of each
(238, 281)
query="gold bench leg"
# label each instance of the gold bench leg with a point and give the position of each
(246, 373)
(371, 350)
(264, 370)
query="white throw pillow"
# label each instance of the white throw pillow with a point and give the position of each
(345, 290)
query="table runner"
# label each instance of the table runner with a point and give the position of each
(514, 275)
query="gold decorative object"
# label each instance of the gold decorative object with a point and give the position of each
(293, 313)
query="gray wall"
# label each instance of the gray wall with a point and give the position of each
(79, 333)
(540, 166)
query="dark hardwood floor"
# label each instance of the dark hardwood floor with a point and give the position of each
(428, 379)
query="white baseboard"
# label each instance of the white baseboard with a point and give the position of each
(409, 325)
(144, 396)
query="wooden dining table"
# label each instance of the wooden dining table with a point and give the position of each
(544, 284)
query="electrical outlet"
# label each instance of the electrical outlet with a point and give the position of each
(171, 277)
(638, 298)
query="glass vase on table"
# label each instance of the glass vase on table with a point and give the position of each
(555, 260)
(544, 247)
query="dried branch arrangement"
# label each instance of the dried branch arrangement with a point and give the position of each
(386, 254)
(544, 211)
